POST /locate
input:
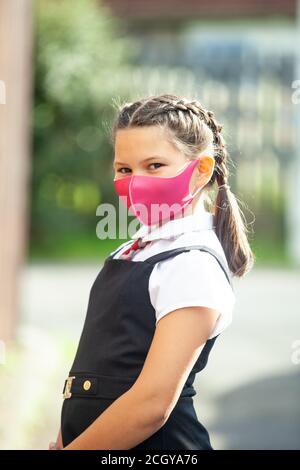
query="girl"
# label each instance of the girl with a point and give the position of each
(161, 299)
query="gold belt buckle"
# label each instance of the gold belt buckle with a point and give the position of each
(67, 391)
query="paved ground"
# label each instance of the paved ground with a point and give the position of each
(248, 396)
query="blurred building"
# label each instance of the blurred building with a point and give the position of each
(176, 10)
(244, 55)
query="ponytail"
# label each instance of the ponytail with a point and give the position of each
(229, 221)
(231, 231)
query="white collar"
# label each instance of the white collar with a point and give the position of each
(199, 220)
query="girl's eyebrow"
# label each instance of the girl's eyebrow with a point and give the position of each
(143, 161)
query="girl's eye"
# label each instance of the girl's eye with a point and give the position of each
(156, 164)
(125, 168)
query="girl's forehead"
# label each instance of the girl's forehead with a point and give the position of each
(151, 135)
(143, 142)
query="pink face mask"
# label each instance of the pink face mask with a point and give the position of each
(153, 198)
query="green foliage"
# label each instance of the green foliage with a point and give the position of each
(79, 49)
(85, 63)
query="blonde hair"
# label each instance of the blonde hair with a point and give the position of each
(192, 128)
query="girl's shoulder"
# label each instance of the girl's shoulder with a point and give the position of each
(208, 239)
(192, 278)
(208, 267)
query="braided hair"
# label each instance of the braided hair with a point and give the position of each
(192, 128)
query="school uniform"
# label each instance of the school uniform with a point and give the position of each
(181, 265)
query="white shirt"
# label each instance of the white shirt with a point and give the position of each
(192, 278)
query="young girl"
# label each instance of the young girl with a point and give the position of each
(161, 299)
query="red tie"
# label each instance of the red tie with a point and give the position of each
(136, 245)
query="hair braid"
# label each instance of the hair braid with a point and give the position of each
(168, 103)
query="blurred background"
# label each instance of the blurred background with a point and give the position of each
(63, 66)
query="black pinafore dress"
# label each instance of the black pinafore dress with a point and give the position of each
(117, 333)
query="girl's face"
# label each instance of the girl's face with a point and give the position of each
(146, 151)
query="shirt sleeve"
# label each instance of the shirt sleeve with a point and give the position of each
(192, 278)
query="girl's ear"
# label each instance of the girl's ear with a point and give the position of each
(206, 166)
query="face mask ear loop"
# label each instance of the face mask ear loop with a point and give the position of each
(130, 195)
(197, 191)
(191, 196)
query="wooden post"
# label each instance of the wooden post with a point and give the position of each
(293, 181)
(15, 118)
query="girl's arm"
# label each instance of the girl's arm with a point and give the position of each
(58, 444)
(137, 414)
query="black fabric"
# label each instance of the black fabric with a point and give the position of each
(117, 333)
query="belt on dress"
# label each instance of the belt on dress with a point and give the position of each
(95, 385)
(104, 386)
